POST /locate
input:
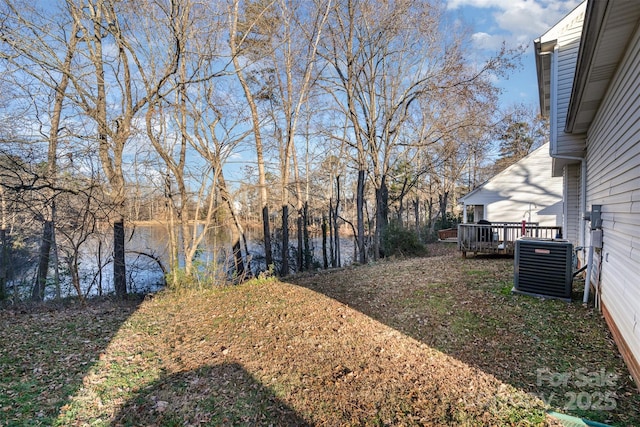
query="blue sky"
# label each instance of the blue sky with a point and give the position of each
(516, 22)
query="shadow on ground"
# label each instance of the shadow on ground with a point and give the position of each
(561, 352)
(221, 395)
(47, 349)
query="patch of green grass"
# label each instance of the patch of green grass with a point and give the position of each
(477, 273)
(535, 416)
(23, 396)
(436, 302)
(505, 288)
(123, 378)
(435, 299)
(249, 405)
(466, 323)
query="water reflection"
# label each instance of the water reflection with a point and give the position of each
(147, 249)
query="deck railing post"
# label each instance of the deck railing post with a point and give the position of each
(485, 238)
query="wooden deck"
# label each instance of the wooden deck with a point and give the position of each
(499, 237)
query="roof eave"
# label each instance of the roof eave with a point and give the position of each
(594, 15)
(543, 66)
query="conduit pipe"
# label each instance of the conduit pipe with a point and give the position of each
(587, 279)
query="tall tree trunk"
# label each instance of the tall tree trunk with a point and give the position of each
(416, 214)
(237, 259)
(443, 200)
(285, 241)
(325, 261)
(307, 249)
(266, 231)
(336, 240)
(119, 269)
(4, 263)
(4, 247)
(300, 233)
(336, 230)
(285, 206)
(382, 215)
(172, 232)
(48, 228)
(75, 275)
(239, 234)
(37, 293)
(54, 253)
(332, 255)
(100, 267)
(360, 214)
(255, 121)
(430, 219)
(110, 151)
(301, 220)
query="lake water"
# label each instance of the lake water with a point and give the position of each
(144, 273)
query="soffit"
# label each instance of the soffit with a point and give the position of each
(608, 28)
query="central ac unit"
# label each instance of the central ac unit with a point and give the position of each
(543, 268)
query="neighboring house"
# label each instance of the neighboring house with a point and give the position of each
(523, 191)
(588, 69)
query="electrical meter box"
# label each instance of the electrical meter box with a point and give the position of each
(596, 238)
(596, 217)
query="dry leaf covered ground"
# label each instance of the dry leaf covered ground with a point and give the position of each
(430, 341)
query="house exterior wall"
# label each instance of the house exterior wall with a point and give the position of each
(563, 71)
(571, 224)
(602, 165)
(525, 190)
(613, 181)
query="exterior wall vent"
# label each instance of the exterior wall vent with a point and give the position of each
(542, 268)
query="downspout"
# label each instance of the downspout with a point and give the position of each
(583, 171)
(587, 279)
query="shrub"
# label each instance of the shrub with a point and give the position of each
(400, 241)
(448, 221)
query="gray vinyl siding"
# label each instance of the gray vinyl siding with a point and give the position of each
(568, 45)
(572, 218)
(613, 180)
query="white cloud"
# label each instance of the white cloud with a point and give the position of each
(518, 21)
(455, 4)
(487, 41)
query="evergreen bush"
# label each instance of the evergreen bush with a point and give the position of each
(400, 241)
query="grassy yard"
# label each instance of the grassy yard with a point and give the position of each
(430, 341)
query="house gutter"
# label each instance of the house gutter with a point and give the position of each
(593, 22)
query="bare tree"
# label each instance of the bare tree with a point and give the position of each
(35, 54)
(81, 208)
(215, 136)
(246, 35)
(292, 54)
(115, 74)
(388, 60)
